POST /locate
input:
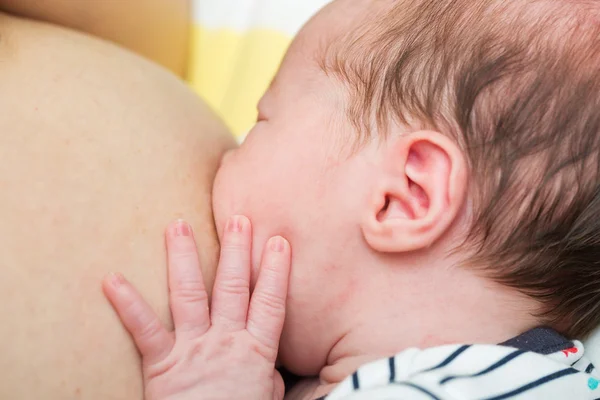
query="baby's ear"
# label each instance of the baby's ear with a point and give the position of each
(420, 190)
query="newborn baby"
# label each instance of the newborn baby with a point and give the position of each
(434, 166)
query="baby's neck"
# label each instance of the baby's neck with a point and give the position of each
(479, 313)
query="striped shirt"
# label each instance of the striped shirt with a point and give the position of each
(539, 364)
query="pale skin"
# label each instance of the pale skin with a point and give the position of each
(99, 150)
(223, 351)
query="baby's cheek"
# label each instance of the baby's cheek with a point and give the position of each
(324, 289)
(345, 292)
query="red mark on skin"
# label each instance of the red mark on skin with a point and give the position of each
(346, 292)
(570, 350)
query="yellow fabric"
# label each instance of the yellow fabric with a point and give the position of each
(231, 70)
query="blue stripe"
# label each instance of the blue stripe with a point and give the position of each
(392, 369)
(355, 382)
(419, 388)
(534, 384)
(589, 368)
(492, 367)
(449, 359)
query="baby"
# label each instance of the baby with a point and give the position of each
(434, 165)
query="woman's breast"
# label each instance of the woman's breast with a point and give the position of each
(99, 150)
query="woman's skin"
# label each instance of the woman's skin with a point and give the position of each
(99, 151)
(156, 29)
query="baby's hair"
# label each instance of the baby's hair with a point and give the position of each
(517, 84)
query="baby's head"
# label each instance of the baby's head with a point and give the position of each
(434, 165)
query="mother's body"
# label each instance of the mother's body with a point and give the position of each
(99, 150)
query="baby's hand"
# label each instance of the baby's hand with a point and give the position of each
(227, 352)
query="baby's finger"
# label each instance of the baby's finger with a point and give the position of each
(232, 284)
(189, 300)
(267, 305)
(150, 336)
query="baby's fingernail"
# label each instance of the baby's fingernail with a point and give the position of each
(182, 228)
(236, 224)
(116, 279)
(277, 244)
